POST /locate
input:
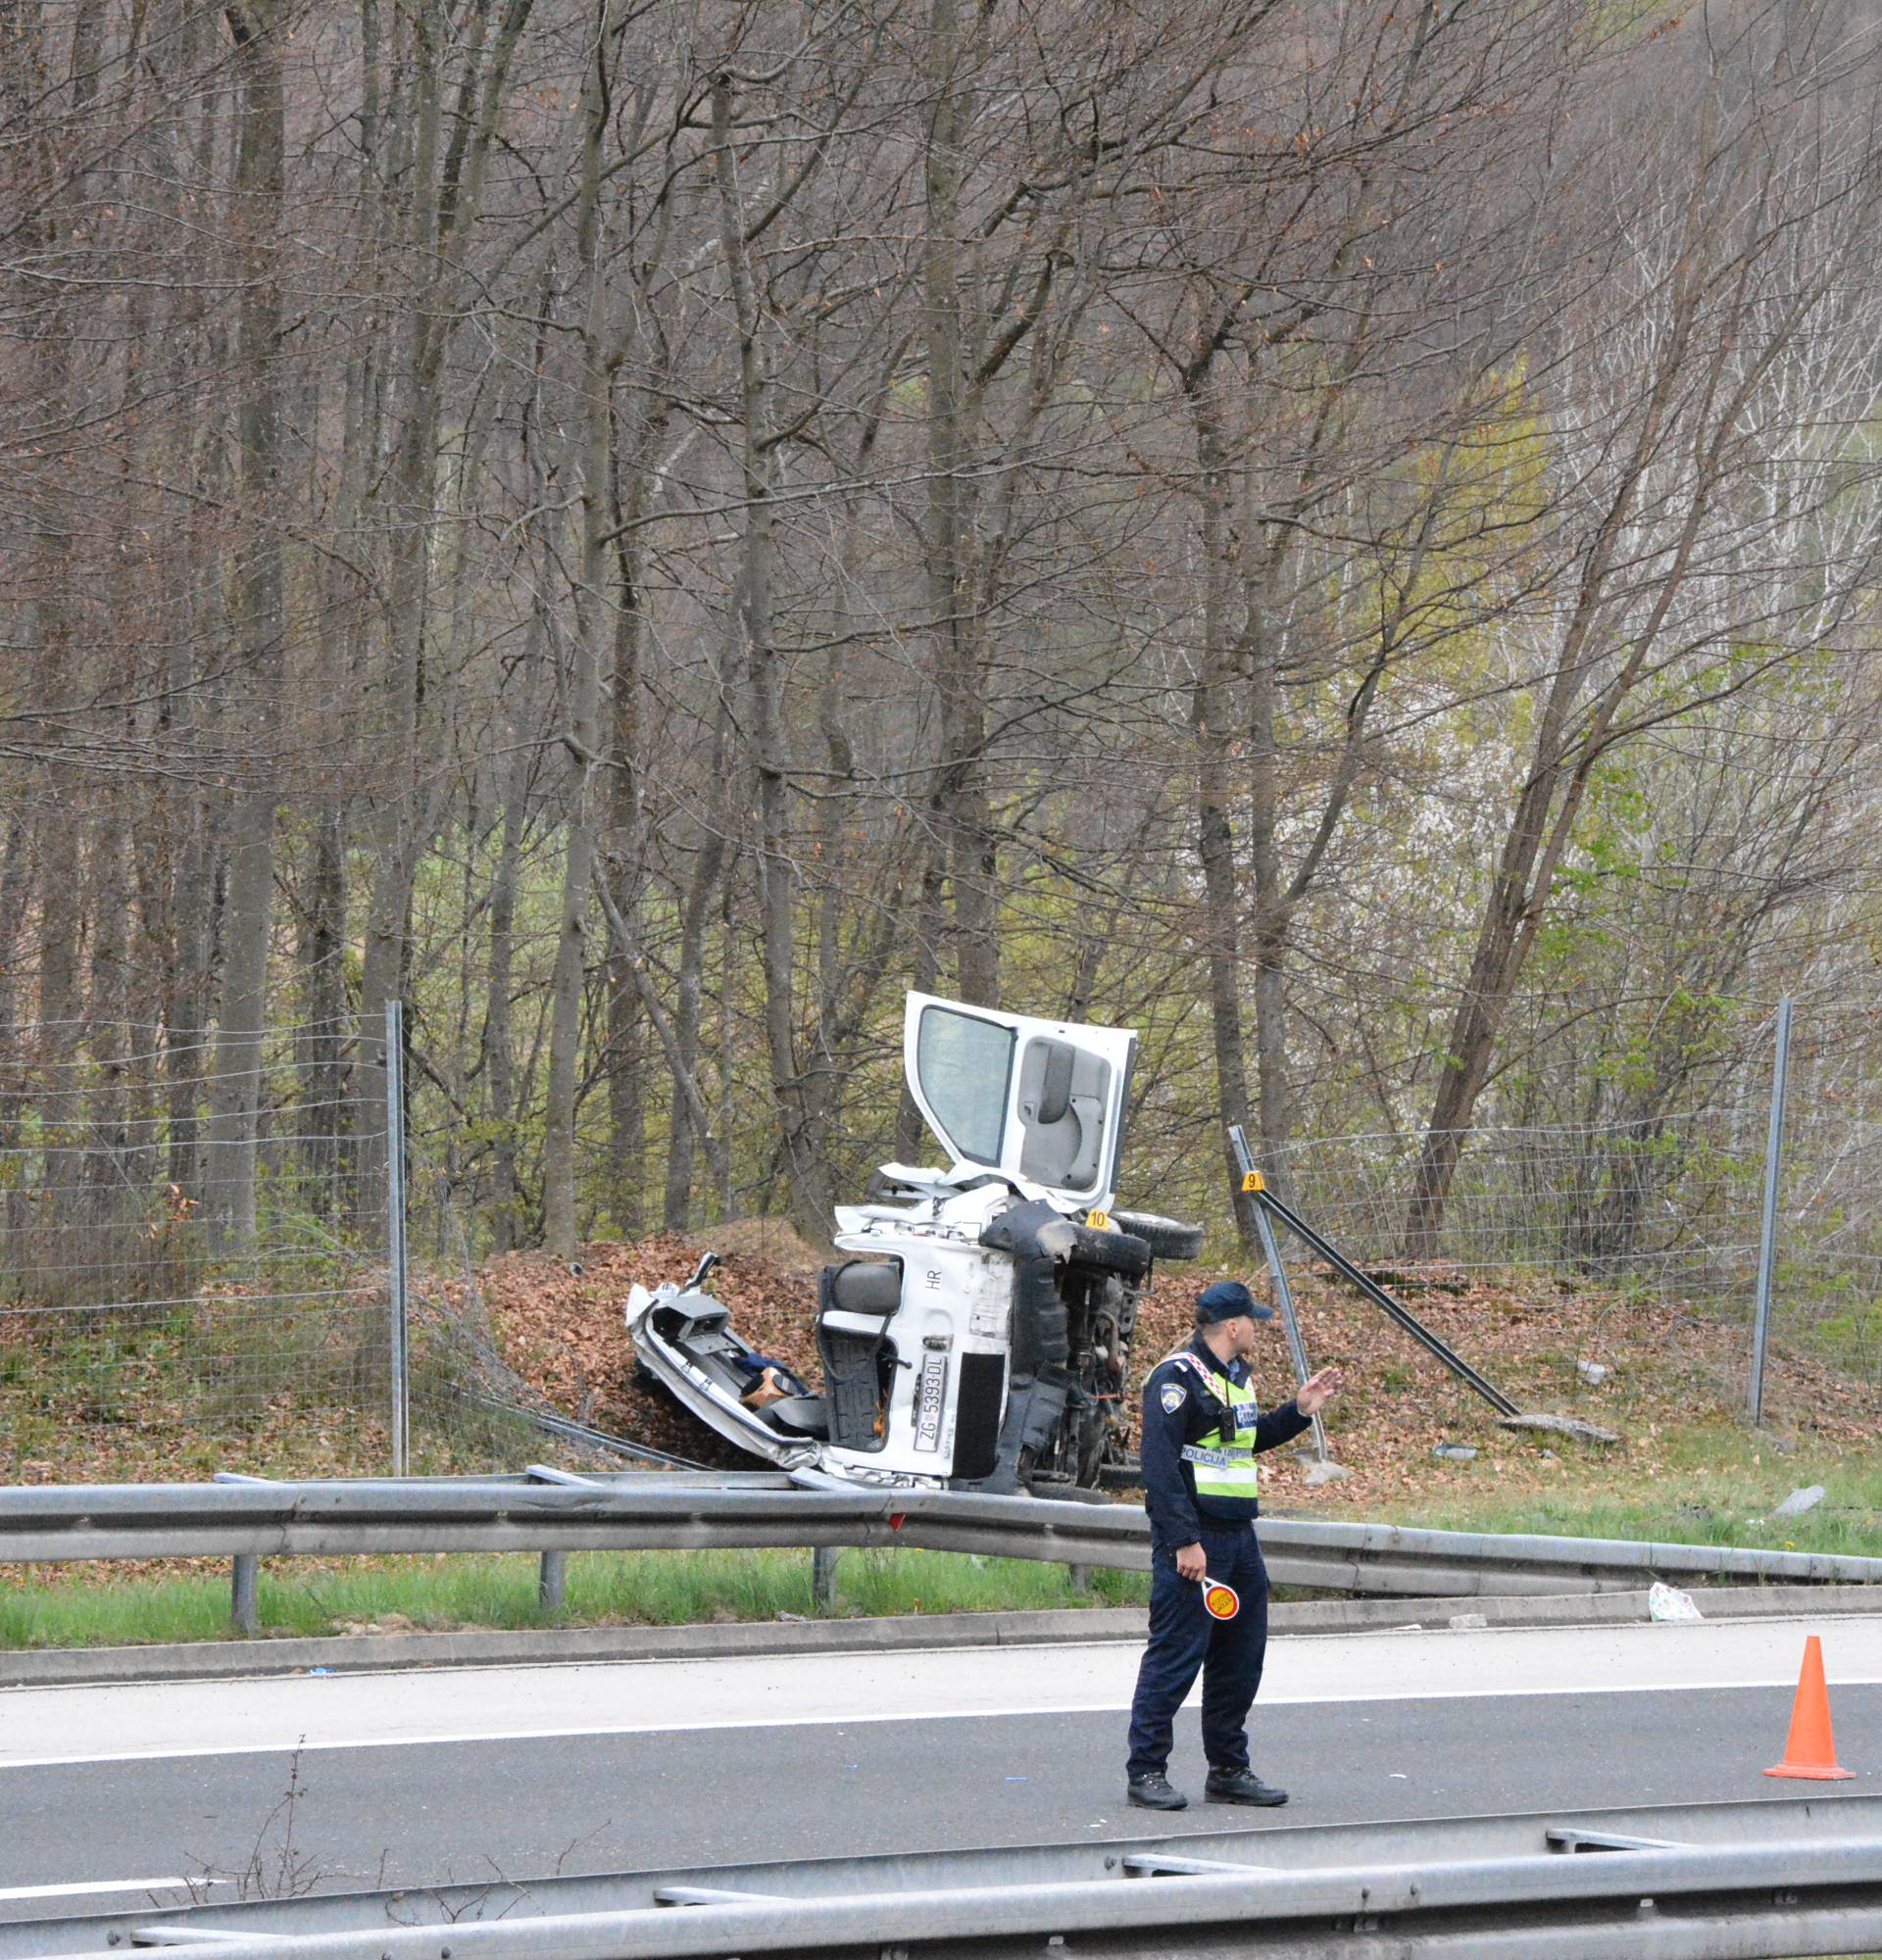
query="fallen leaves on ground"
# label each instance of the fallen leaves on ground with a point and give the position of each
(562, 1327)
(137, 1412)
(1669, 1365)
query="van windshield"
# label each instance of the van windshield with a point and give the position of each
(963, 1064)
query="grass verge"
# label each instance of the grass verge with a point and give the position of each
(1716, 1484)
(449, 1592)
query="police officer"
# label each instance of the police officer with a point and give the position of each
(1200, 1434)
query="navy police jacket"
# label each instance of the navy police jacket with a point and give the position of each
(1178, 1411)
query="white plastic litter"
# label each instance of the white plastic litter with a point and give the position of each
(1594, 1373)
(1668, 1602)
(1456, 1452)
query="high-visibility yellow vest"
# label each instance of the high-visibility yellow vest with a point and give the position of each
(1223, 1461)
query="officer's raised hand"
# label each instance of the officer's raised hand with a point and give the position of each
(1317, 1390)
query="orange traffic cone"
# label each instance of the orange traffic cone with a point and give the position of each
(1812, 1750)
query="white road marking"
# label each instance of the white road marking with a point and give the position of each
(105, 1886)
(47, 1726)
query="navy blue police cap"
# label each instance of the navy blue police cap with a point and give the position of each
(1226, 1298)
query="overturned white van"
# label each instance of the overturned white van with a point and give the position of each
(979, 1335)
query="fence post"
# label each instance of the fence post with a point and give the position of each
(552, 1581)
(1767, 1229)
(395, 1230)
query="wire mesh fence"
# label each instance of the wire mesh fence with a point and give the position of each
(196, 1267)
(1666, 1207)
(1827, 1279)
(1672, 1208)
(192, 1247)
(195, 1264)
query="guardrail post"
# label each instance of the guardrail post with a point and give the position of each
(1080, 1577)
(552, 1580)
(243, 1610)
(1767, 1228)
(823, 1577)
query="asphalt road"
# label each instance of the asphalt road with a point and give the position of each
(772, 1782)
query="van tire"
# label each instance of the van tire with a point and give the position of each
(1166, 1238)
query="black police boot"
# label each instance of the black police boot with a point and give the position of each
(1153, 1792)
(1241, 1787)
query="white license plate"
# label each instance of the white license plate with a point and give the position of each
(929, 1404)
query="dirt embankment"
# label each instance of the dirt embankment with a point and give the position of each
(560, 1326)
(1666, 1367)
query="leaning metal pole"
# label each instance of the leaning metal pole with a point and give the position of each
(1283, 1293)
(1767, 1229)
(395, 1232)
(1393, 1309)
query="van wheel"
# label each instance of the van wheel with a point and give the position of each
(1166, 1238)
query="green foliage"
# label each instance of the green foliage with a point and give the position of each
(1720, 1487)
(1852, 1337)
(603, 1588)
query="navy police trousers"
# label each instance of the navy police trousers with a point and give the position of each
(1184, 1639)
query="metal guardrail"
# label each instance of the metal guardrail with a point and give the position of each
(1402, 1559)
(1777, 1877)
(545, 1510)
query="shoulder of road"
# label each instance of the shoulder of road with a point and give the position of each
(208, 1660)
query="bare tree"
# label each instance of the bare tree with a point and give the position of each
(1672, 588)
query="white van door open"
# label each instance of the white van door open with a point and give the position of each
(1040, 1102)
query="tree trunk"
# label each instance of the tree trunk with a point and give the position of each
(629, 1061)
(803, 1148)
(259, 179)
(583, 739)
(446, 200)
(695, 915)
(499, 1046)
(964, 818)
(321, 1038)
(16, 882)
(193, 905)
(1502, 944)
(1213, 731)
(113, 904)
